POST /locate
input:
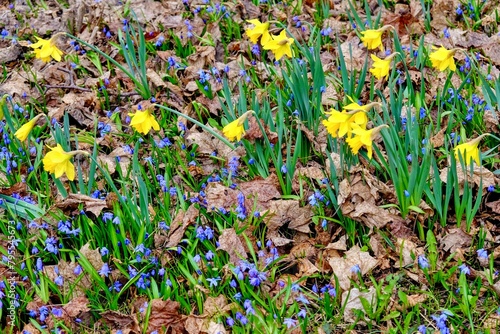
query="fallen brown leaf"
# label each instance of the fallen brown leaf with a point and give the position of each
(117, 320)
(231, 243)
(288, 211)
(73, 201)
(165, 315)
(455, 239)
(351, 300)
(342, 266)
(180, 224)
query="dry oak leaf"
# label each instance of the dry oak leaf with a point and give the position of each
(416, 299)
(18, 188)
(455, 239)
(405, 248)
(351, 300)
(318, 140)
(354, 53)
(77, 306)
(340, 244)
(494, 206)
(230, 242)
(78, 284)
(90, 204)
(491, 49)
(165, 315)
(109, 161)
(438, 139)
(117, 320)
(282, 212)
(342, 266)
(479, 174)
(203, 57)
(406, 20)
(208, 144)
(306, 268)
(254, 132)
(93, 256)
(219, 196)
(260, 192)
(180, 224)
(358, 200)
(443, 13)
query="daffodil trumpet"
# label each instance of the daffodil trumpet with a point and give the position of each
(442, 58)
(372, 38)
(47, 49)
(364, 138)
(470, 150)
(235, 130)
(23, 132)
(58, 162)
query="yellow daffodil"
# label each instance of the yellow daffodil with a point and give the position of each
(380, 67)
(259, 30)
(47, 49)
(235, 130)
(442, 59)
(57, 161)
(341, 123)
(354, 106)
(372, 38)
(280, 45)
(23, 132)
(142, 121)
(364, 138)
(470, 150)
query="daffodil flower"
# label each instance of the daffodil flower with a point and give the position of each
(144, 121)
(58, 162)
(372, 38)
(47, 49)
(280, 45)
(339, 123)
(354, 106)
(364, 138)
(470, 150)
(259, 30)
(380, 67)
(23, 132)
(442, 59)
(235, 130)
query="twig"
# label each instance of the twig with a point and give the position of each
(68, 87)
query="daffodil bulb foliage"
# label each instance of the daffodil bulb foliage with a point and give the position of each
(372, 38)
(58, 162)
(469, 151)
(23, 132)
(46, 49)
(236, 129)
